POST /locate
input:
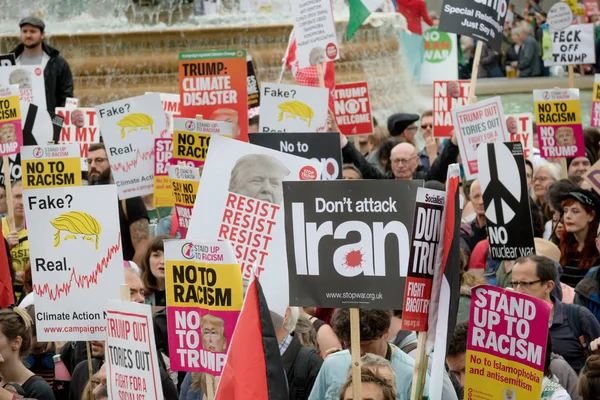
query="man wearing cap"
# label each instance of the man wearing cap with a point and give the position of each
(578, 166)
(402, 126)
(33, 51)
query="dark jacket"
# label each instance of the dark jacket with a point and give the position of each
(437, 172)
(530, 63)
(587, 292)
(302, 365)
(57, 77)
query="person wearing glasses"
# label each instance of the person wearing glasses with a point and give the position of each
(580, 212)
(133, 216)
(572, 327)
(544, 175)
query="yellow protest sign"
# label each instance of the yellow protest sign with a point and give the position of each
(163, 190)
(51, 166)
(185, 182)
(191, 138)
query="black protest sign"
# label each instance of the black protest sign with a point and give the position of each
(506, 200)
(7, 60)
(348, 242)
(16, 172)
(479, 19)
(324, 147)
(253, 89)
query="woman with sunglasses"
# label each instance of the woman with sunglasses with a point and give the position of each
(580, 209)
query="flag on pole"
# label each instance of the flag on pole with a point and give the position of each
(445, 292)
(253, 369)
(359, 12)
(6, 291)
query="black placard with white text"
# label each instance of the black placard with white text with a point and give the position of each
(348, 242)
(323, 147)
(506, 200)
(7, 60)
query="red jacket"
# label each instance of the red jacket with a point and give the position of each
(413, 11)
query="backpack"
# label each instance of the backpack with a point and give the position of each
(575, 324)
(302, 370)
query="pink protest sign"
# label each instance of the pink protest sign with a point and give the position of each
(506, 346)
(11, 131)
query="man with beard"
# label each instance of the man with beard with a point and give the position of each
(133, 217)
(58, 79)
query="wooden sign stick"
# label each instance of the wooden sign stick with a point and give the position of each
(420, 368)
(210, 386)
(355, 351)
(476, 60)
(9, 198)
(571, 76)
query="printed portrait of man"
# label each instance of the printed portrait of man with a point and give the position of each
(20, 77)
(76, 225)
(317, 56)
(8, 133)
(78, 118)
(228, 115)
(136, 122)
(213, 334)
(259, 176)
(454, 89)
(565, 136)
(512, 125)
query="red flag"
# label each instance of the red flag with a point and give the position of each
(253, 369)
(6, 291)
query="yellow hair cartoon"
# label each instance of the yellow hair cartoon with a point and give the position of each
(76, 223)
(134, 121)
(296, 109)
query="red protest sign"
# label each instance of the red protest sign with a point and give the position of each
(446, 96)
(352, 108)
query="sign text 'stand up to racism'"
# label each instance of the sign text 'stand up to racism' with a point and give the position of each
(348, 242)
(558, 123)
(184, 183)
(50, 166)
(163, 190)
(191, 139)
(506, 346)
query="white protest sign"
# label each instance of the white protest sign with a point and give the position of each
(573, 45)
(315, 32)
(171, 105)
(131, 358)
(80, 126)
(71, 102)
(440, 62)
(76, 259)
(129, 127)
(293, 108)
(520, 129)
(30, 79)
(241, 200)
(478, 123)
(560, 16)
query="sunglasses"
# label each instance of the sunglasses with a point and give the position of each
(426, 126)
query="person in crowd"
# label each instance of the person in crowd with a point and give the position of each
(580, 209)
(489, 64)
(572, 327)
(155, 214)
(529, 174)
(411, 39)
(380, 135)
(544, 175)
(528, 63)
(457, 351)
(80, 374)
(552, 387)
(133, 217)
(350, 172)
(589, 380)
(478, 225)
(326, 338)
(17, 239)
(306, 334)
(556, 192)
(578, 166)
(3, 204)
(58, 80)
(468, 280)
(383, 153)
(513, 48)
(374, 325)
(432, 148)
(378, 365)
(39, 361)
(403, 126)
(301, 363)
(137, 293)
(153, 271)
(591, 137)
(15, 343)
(253, 124)
(373, 387)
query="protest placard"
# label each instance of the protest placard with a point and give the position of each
(76, 259)
(241, 201)
(595, 120)
(253, 89)
(192, 137)
(11, 131)
(559, 16)
(323, 147)
(479, 19)
(520, 129)
(213, 83)
(30, 79)
(506, 199)
(426, 231)
(359, 253)
(593, 176)
(54, 165)
(131, 358)
(558, 123)
(293, 108)
(129, 127)
(446, 96)
(71, 103)
(506, 346)
(440, 56)
(184, 183)
(574, 45)
(163, 190)
(352, 108)
(7, 60)
(79, 126)
(315, 32)
(204, 299)
(171, 105)
(478, 123)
